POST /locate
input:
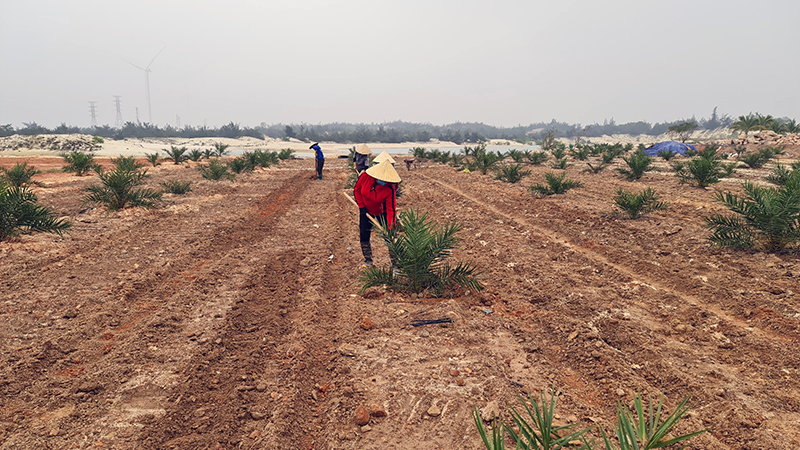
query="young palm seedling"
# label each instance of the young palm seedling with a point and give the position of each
(126, 163)
(780, 175)
(516, 155)
(666, 155)
(581, 153)
(153, 158)
(596, 168)
(638, 163)
(119, 189)
(20, 175)
(537, 158)
(195, 155)
(559, 150)
(215, 170)
(645, 430)
(511, 173)
(759, 159)
(177, 187)
(635, 205)
(556, 184)
(285, 154)
(560, 164)
(78, 162)
(220, 148)
(209, 153)
(421, 255)
(766, 218)
(241, 164)
(20, 212)
(534, 427)
(176, 154)
(482, 160)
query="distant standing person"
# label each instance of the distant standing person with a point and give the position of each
(319, 158)
(361, 158)
(376, 195)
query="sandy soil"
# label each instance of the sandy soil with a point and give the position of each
(229, 317)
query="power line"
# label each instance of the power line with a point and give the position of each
(118, 122)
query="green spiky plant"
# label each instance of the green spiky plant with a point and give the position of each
(511, 173)
(666, 155)
(635, 205)
(764, 217)
(581, 153)
(195, 155)
(556, 184)
(21, 213)
(481, 160)
(560, 164)
(638, 163)
(536, 428)
(758, 159)
(644, 430)
(215, 170)
(209, 153)
(609, 155)
(153, 158)
(596, 168)
(20, 175)
(221, 149)
(702, 170)
(558, 150)
(119, 189)
(497, 440)
(780, 175)
(126, 163)
(418, 152)
(534, 425)
(537, 158)
(78, 162)
(457, 161)
(285, 154)
(175, 154)
(516, 155)
(421, 255)
(241, 164)
(177, 187)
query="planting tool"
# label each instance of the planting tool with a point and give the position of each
(419, 323)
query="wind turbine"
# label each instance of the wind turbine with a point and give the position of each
(147, 83)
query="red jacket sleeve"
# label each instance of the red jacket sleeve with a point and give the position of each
(360, 184)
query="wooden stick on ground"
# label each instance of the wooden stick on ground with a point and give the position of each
(371, 219)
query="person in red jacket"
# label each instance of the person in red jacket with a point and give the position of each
(376, 195)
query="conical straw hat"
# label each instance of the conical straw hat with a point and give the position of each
(363, 149)
(384, 172)
(384, 156)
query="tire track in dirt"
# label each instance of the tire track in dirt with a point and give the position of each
(260, 384)
(154, 324)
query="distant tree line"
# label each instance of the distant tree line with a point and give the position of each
(392, 132)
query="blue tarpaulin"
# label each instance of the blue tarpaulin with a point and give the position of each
(669, 146)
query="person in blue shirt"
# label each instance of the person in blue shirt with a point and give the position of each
(319, 157)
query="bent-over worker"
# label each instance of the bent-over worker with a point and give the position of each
(319, 158)
(361, 158)
(376, 194)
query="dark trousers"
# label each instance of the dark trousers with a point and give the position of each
(320, 163)
(364, 233)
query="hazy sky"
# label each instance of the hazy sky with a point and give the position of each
(438, 61)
